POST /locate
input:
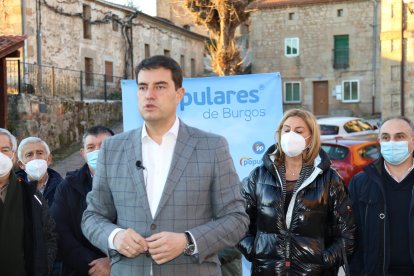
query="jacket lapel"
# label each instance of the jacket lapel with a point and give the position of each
(133, 151)
(182, 152)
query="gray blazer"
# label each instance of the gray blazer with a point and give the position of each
(201, 195)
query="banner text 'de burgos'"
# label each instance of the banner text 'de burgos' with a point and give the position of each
(245, 109)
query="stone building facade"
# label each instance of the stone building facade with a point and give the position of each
(93, 38)
(397, 54)
(327, 52)
(175, 11)
(110, 38)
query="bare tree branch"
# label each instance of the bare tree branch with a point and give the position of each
(221, 18)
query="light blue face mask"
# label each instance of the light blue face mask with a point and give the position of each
(92, 158)
(395, 152)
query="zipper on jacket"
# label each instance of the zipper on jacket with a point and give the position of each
(366, 223)
(287, 262)
(383, 244)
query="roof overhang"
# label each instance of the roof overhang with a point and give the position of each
(9, 44)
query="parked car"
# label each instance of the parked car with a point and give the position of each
(350, 155)
(332, 127)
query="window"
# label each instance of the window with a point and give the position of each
(193, 68)
(335, 152)
(147, 50)
(167, 53)
(291, 15)
(182, 63)
(109, 71)
(340, 12)
(350, 91)
(87, 31)
(357, 125)
(371, 152)
(341, 51)
(292, 47)
(292, 92)
(115, 23)
(329, 129)
(89, 71)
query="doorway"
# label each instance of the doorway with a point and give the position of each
(320, 98)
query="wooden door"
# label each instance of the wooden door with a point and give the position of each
(109, 71)
(320, 98)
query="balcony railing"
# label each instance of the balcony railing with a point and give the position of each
(340, 58)
(58, 82)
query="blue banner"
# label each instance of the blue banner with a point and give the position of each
(245, 109)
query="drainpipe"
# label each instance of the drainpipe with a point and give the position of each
(403, 44)
(374, 54)
(39, 45)
(23, 13)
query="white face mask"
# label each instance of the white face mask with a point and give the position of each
(6, 164)
(292, 143)
(36, 169)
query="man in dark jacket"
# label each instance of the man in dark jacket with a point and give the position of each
(79, 256)
(27, 238)
(34, 160)
(384, 205)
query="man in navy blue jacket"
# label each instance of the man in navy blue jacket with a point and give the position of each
(384, 205)
(79, 256)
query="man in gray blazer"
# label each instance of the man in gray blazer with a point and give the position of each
(165, 197)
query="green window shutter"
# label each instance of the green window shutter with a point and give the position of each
(341, 51)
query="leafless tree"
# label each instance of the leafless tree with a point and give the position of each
(221, 18)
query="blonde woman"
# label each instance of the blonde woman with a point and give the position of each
(301, 220)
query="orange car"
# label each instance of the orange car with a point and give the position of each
(349, 156)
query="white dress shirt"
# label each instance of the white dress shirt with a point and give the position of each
(157, 162)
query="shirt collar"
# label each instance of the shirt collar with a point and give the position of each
(173, 130)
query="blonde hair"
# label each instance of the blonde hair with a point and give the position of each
(310, 120)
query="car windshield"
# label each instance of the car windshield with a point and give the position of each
(335, 152)
(357, 126)
(329, 129)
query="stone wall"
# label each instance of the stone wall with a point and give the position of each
(396, 15)
(177, 12)
(10, 17)
(181, 44)
(58, 122)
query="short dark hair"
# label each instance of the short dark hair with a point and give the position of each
(159, 61)
(399, 117)
(95, 131)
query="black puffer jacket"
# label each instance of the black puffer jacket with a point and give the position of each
(309, 239)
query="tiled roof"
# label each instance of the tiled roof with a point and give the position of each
(10, 43)
(268, 4)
